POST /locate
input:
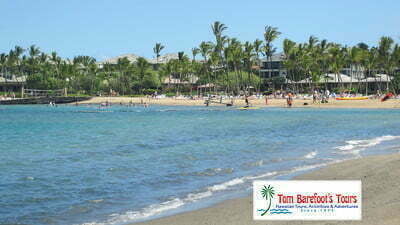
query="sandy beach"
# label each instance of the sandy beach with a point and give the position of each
(370, 103)
(381, 198)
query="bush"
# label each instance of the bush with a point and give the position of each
(149, 91)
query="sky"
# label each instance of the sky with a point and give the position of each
(108, 28)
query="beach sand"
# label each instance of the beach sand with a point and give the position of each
(370, 103)
(381, 196)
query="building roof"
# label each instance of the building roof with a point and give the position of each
(275, 58)
(13, 80)
(163, 58)
(208, 85)
(342, 78)
(378, 78)
(171, 80)
(337, 78)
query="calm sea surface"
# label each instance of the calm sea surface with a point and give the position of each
(84, 165)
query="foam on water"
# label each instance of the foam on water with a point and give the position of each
(311, 155)
(156, 209)
(356, 146)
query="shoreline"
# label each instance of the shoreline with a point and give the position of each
(381, 199)
(281, 103)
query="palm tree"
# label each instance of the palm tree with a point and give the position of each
(248, 56)
(33, 52)
(157, 50)
(354, 57)
(270, 35)
(180, 66)
(369, 62)
(258, 48)
(323, 59)
(205, 50)
(217, 29)
(166, 71)
(337, 61)
(142, 66)
(3, 61)
(267, 193)
(385, 54)
(195, 51)
(288, 48)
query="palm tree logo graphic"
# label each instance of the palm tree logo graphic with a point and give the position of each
(267, 193)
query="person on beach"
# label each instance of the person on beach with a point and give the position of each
(289, 100)
(315, 95)
(246, 100)
(266, 99)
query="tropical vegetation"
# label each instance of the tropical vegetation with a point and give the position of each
(224, 64)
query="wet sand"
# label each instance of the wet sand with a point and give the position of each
(381, 196)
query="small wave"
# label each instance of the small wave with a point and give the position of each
(256, 163)
(137, 215)
(308, 167)
(310, 155)
(223, 186)
(269, 174)
(156, 209)
(96, 200)
(198, 196)
(355, 146)
(214, 171)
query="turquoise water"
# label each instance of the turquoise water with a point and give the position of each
(76, 165)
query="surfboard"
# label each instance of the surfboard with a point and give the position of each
(248, 108)
(352, 98)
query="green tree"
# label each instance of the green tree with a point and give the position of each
(157, 50)
(270, 35)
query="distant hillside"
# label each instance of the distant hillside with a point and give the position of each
(114, 60)
(133, 58)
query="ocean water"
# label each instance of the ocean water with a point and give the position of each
(84, 165)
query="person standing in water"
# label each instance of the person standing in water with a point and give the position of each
(246, 100)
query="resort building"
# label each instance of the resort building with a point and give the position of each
(273, 67)
(12, 83)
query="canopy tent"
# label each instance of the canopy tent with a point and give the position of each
(337, 78)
